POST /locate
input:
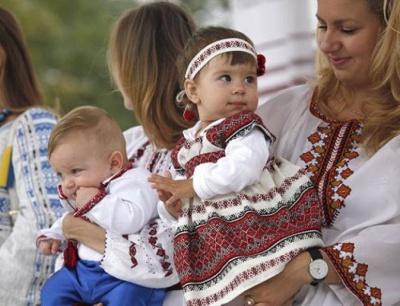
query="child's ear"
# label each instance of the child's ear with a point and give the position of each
(191, 91)
(116, 161)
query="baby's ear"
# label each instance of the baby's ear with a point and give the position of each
(116, 161)
(191, 91)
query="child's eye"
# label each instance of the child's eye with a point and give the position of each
(250, 79)
(225, 78)
(76, 171)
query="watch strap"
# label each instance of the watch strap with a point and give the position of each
(315, 254)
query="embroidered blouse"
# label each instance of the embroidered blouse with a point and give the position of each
(28, 203)
(360, 195)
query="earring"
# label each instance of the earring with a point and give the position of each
(188, 113)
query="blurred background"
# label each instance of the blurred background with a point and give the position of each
(68, 42)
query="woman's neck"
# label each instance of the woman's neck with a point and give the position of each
(350, 105)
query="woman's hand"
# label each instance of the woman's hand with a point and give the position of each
(87, 233)
(280, 289)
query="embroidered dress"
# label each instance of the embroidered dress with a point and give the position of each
(28, 203)
(118, 207)
(231, 242)
(360, 196)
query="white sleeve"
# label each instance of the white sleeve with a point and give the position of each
(129, 205)
(245, 158)
(54, 232)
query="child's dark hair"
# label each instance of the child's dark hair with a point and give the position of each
(202, 38)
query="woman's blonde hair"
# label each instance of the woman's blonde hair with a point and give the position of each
(142, 51)
(383, 121)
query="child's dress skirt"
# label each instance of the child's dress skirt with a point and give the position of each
(230, 243)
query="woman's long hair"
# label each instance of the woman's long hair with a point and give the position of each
(383, 120)
(19, 88)
(142, 52)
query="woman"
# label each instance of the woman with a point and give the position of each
(344, 130)
(143, 48)
(28, 186)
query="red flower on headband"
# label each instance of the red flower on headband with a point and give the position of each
(260, 64)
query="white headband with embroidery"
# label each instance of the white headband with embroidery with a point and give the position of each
(214, 49)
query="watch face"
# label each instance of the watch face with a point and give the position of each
(318, 269)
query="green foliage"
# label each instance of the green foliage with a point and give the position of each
(68, 42)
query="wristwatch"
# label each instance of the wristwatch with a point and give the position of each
(318, 268)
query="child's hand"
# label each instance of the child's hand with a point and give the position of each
(162, 194)
(84, 195)
(175, 189)
(175, 208)
(49, 246)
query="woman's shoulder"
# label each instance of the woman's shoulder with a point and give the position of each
(290, 95)
(135, 135)
(285, 101)
(36, 120)
(37, 115)
(135, 138)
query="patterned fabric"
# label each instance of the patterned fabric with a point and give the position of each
(329, 169)
(29, 205)
(144, 258)
(212, 50)
(226, 245)
(353, 273)
(101, 194)
(360, 195)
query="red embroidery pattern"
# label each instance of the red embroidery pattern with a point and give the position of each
(166, 265)
(235, 126)
(101, 194)
(160, 251)
(132, 253)
(327, 162)
(353, 273)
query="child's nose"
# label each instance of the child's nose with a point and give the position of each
(238, 88)
(68, 182)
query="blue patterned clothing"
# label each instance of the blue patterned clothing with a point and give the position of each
(30, 202)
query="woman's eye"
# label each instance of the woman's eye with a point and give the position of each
(348, 31)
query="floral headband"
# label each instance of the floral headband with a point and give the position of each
(219, 47)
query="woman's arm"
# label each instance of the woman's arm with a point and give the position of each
(87, 233)
(282, 287)
(144, 258)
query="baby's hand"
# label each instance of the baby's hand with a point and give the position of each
(49, 246)
(162, 194)
(84, 195)
(174, 208)
(174, 190)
